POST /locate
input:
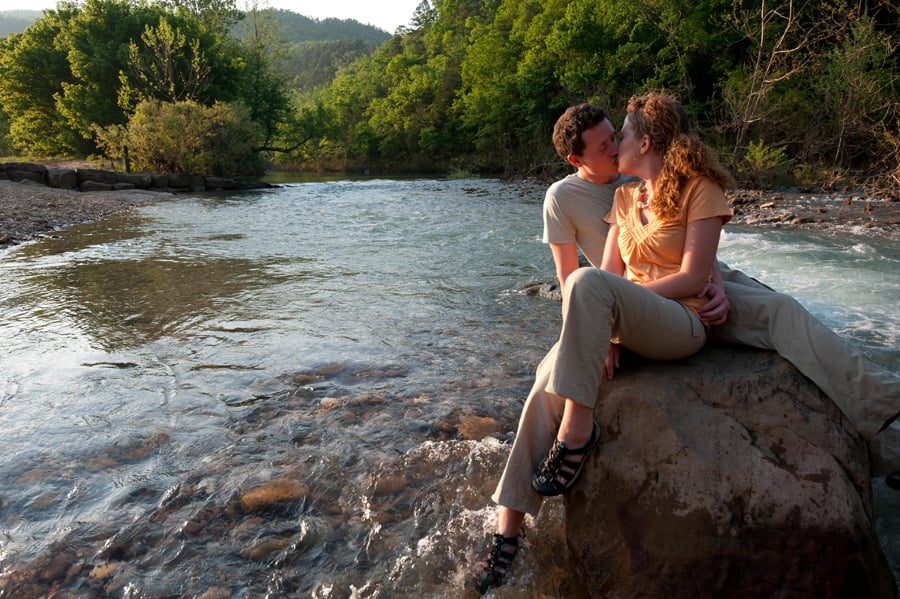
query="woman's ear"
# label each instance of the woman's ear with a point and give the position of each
(646, 145)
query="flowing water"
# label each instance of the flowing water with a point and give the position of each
(358, 350)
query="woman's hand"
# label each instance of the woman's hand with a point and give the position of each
(612, 361)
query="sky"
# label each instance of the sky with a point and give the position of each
(384, 14)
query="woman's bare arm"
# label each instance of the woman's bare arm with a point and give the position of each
(700, 245)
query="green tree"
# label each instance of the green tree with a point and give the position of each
(856, 87)
(348, 97)
(779, 38)
(489, 105)
(261, 86)
(310, 65)
(687, 42)
(33, 71)
(97, 41)
(85, 67)
(217, 16)
(164, 64)
(310, 135)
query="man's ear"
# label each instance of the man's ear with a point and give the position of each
(574, 160)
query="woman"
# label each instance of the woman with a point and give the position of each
(659, 255)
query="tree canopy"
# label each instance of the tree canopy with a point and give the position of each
(477, 84)
(472, 85)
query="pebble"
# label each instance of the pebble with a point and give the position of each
(272, 493)
(475, 428)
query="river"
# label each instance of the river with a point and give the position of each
(359, 346)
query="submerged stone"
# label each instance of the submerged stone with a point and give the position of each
(273, 493)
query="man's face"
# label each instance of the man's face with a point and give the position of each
(599, 163)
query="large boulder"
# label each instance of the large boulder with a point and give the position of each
(62, 178)
(87, 177)
(91, 179)
(728, 474)
(25, 171)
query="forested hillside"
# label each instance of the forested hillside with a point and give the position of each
(786, 91)
(15, 21)
(298, 28)
(294, 27)
(312, 50)
(781, 87)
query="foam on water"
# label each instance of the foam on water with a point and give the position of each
(158, 365)
(851, 284)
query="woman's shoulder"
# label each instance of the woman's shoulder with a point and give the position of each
(702, 183)
(701, 187)
(703, 197)
(629, 188)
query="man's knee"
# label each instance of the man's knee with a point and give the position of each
(783, 306)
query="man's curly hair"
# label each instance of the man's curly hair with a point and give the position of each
(572, 124)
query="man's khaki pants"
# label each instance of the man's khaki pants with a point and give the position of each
(869, 396)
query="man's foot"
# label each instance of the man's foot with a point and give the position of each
(559, 472)
(893, 480)
(493, 571)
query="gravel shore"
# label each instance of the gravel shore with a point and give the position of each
(29, 210)
(848, 212)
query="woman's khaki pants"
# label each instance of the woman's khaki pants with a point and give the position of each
(597, 306)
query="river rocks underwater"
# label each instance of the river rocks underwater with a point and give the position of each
(296, 523)
(307, 390)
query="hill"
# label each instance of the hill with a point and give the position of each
(314, 49)
(16, 21)
(298, 28)
(295, 27)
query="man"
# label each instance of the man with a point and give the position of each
(748, 312)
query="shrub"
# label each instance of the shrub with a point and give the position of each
(761, 163)
(186, 137)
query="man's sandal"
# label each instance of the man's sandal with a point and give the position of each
(557, 473)
(494, 570)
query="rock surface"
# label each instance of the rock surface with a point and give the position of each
(725, 475)
(92, 179)
(30, 209)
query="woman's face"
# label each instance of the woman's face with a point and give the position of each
(629, 149)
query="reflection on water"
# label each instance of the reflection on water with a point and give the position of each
(124, 304)
(266, 393)
(305, 390)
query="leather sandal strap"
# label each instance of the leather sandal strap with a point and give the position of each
(557, 473)
(501, 559)
(498, 563)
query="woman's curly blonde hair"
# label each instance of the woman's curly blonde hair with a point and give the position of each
(659, 116)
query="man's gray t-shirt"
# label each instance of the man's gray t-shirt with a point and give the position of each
(573, 213)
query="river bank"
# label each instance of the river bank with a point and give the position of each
(835, 211)
(29, 210)
(40, 198)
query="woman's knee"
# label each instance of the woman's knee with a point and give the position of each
(587, 280)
